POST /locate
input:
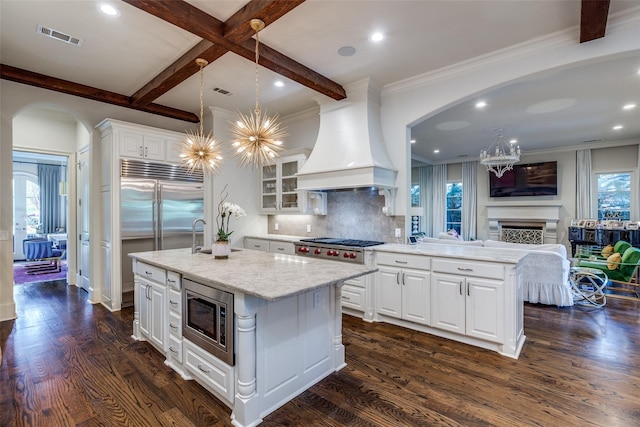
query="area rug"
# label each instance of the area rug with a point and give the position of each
(20, 275)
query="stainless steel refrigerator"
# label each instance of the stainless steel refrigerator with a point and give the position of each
(158, 204)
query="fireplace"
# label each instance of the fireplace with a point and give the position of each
(524, 223)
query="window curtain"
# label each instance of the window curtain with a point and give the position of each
(439, 199)
(48, 179)
(469, 199)
(425, 179)
(583, 184)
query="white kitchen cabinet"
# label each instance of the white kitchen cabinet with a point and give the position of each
(256, 244)
(468, 305)
(468, 298)
(215, 375)
(142, 146)
(151, 310)
(279, 183)
(277, 247)
(404, 293)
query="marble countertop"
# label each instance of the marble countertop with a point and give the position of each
(265, 275)
(476, 253)
(276, 237)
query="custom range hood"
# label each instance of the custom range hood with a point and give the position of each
(350, 151)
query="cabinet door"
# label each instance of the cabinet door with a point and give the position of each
(131, 145)
(154, 148)
(416, 296)
(157, 317)
(269, 184)
(174, 149)
(485, 309)
(389, 292)
(448, 302)
(143, 308)
(289, 183)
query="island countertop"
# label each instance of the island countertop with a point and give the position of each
(265, 275)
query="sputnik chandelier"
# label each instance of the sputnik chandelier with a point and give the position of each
(500, 156)
(257, 137)
(200, 151)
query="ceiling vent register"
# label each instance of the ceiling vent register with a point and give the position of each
(59, 35)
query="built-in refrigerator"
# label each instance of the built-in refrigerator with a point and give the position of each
(158, 204)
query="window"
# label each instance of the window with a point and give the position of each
(614, 196)
(415, 195)
(454, 206)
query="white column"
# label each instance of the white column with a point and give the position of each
(246, 405)
(338, 347)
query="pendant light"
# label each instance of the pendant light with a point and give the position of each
(200, 151)
(257, 137)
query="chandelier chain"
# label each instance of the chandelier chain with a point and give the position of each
(257, 110)
(201, 98)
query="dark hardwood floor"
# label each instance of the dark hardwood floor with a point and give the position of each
(69, 363)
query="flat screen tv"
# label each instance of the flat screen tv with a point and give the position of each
(533, 179)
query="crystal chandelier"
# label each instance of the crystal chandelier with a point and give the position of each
(257, 137)
(200, 151)
(500, 156)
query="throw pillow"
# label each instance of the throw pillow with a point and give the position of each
(607, 250)
(613, 261)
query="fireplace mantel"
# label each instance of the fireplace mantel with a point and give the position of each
(546, 216)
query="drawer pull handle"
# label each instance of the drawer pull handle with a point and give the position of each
(465, 269)
(172, 326)
(172, 302)
(148, 273)
(171, 281)
(256, 246)
(346, 298)
(401, 262)
(172, 350)
(202, 369)
(280, 249)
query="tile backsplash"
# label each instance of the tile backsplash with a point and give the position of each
(352, 214)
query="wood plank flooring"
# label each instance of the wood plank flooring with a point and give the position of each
(69, 363)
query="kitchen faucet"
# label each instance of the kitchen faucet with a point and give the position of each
(193, 234)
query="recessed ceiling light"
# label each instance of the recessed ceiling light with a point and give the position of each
(376, 37)
(347, 51)
(108, 9)
(481, 104)
(413, 141)
(617, 127)
(513, 141)
(436, 151)
(629, 107)
(279, 83)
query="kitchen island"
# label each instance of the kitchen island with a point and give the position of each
(287, 322)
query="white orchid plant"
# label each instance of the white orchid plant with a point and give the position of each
(225, 211)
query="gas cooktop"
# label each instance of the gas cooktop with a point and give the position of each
(342, 242)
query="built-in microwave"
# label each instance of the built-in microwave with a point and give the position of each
(207, 319)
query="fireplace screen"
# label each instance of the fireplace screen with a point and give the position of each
(522, 235)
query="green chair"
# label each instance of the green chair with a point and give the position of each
(623, 279)
(620, 247)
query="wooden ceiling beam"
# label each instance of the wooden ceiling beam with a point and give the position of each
(31, 78)
(235, 36)
(593, 19)
(233, 29)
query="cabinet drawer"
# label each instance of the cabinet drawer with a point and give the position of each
(467, 268)
(353, 297)
(151, 272)
(213, 373)
(174, 280)
(174, 301)
(403, 260)
(175, 348)
(256, 244)
(359, 282)
(282, 248)
(174, 325)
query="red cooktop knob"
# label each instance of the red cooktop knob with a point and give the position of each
(352, 255)
(336, 253)
(301, 249)
(317, 251)
(345, 255)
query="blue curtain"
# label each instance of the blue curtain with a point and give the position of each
(48, 178)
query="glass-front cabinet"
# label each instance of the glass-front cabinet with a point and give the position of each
(278, 185)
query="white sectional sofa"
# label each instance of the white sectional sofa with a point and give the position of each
(545, 270)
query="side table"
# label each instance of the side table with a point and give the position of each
(588, 286)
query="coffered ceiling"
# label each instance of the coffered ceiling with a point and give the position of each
(142, 58)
